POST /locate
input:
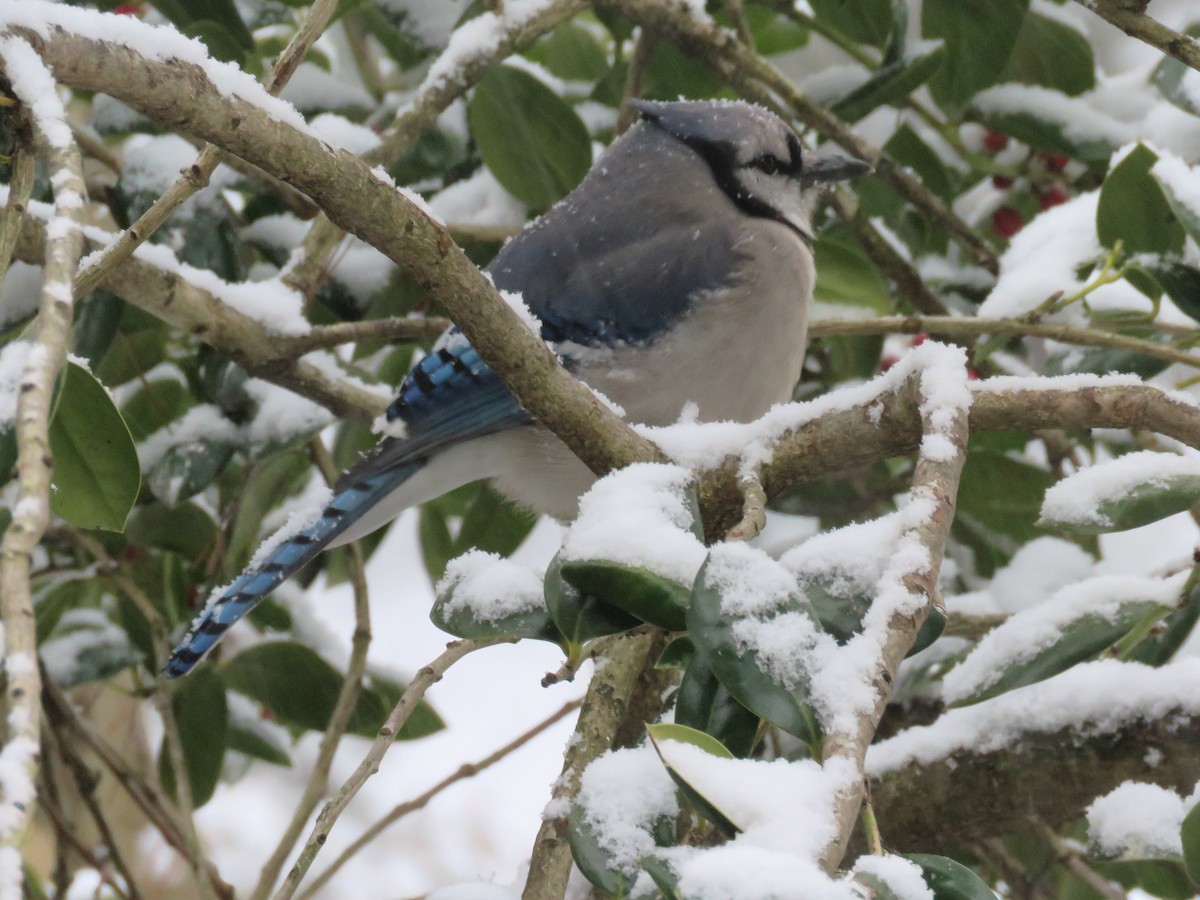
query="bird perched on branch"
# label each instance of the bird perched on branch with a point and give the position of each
(679, 271)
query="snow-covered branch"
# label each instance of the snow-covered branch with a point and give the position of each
(169, 81)
(36, 91)
(1134, 22)
(1121, 721)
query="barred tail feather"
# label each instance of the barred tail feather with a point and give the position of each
(348, 505)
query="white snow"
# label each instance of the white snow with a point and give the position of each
(1078, 498)
(1089, 699)
(1180, 181)
(155, 43)
(479, 201)
(78, 631)
(1036, 571)
(491, 587)
(19, 292)
(32, 84)
(1027, 633)
(1136, 820)
(639, 516)
(14, 360)
(903, 877)
(1080, 123)
(621, 794)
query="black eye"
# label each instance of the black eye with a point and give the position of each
(768, 164)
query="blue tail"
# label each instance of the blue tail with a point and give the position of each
(349, 504)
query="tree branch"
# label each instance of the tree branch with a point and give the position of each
(965, 327)
(465, 771)
(425, 679)
(935, 482)
(1151, 31)
(196, 176)
(618, 671)
(36, 91)
(969, 795)
(455, 72)
(179, 95)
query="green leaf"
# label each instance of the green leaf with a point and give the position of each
(85, 645)
(1181, 283)
(139, 345)
(1161, 495)
(96, 472)
(594, 861)
(202, 717)
(641, 593)
(865, 21)
(529, 138)
(846, 278)
(1052, 54)
(907, 148)
(251, 743)
(1189, 215)
(660, 736)
(484, 520)
(269, 484)
(1134, 210)
(1046, 129)
(737, 667)
(184, 470)
(703, 703)
(185, 529)
(375, 705)
(1082, 639)
(891, 83)
(672, 74)
(96, 324)
(301, 689)
(1169, 75)
(1002, 494)
(931, 630)
(1190, 835)
(950, 880)
(580, 617)
(155, 405)
(979, 35)
(460, 619)
(221, 43)
(570, 52)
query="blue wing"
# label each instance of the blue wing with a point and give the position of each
(449, 396)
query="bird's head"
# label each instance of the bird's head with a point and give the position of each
(754, 156)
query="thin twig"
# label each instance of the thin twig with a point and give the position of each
(967, 327)
(754, 510)
(310, 264)
(1138, 25)
(85, 782)
(639, 61)
(196, 176)
(35, 89)
(348, 695)
(465, 771)
(325, 336)
(20, 188)
(1074, 861)
(425, 679)
(618, 668)
(61, 827)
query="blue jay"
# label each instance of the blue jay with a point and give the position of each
(679, 271)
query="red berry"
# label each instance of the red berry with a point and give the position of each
(1056, 162)
(1007, 221)
(972, 374)
(887, 362)
(128, 9)
(1003, 182)
(919, 339)
(995, 141)
(1053, 196)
